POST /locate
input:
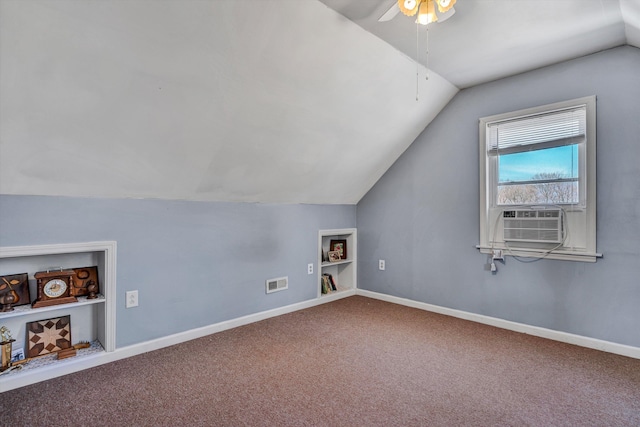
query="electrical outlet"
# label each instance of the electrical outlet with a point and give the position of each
(381, 265)
(309, 268)
(132, 299)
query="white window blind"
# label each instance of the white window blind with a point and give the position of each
(538, 131)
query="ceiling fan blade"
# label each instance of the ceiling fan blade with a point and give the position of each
(444, 16)
(391, 13)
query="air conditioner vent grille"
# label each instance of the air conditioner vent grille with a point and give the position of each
(532, 225)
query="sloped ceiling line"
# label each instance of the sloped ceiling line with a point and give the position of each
(271, 101)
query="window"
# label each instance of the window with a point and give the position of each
(534, 160)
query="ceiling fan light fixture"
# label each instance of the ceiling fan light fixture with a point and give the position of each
(427, 13)
(445, 5)
(409, 7)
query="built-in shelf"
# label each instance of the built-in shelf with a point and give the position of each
(343, 271)
(344, 261)
(92, 320)
(23, 310)
(51, 362)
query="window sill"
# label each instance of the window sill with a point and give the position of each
(559, 254)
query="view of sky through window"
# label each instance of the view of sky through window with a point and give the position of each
(559, 162)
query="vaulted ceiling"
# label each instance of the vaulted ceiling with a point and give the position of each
(278, 101)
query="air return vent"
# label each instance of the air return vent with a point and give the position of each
(279, 284)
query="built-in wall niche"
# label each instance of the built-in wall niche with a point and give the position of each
(92, 320)
(343, 271)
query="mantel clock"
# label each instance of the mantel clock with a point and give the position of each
(55, 287)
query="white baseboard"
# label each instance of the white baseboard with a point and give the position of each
(189, 335)
(71, 365)
(607, 346)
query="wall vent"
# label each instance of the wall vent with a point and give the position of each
(541, 225)
(279, 284)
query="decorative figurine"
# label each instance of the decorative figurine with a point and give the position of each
(7, 301)
(5, 348)
(92, 289)
(5, 335)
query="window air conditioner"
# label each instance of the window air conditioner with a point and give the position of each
(539, 225)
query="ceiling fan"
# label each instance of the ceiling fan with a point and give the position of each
(426, 14)
(425, 9)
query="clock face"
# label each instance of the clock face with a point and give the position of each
(54, 288)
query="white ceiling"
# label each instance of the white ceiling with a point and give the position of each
(279, 101)
(490, 39)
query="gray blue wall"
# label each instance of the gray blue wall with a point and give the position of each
(193, 263)
(422, 216)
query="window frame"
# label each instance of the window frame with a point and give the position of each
(580, 218)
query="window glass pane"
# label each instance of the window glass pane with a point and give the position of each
(548, 176)
(550, 163)
(554, 193)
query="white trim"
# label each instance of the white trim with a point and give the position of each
(565, 255)
(337, 232)
(59, 248)
(69, 366)
(579, 340)
(337, 295)
(110, 265)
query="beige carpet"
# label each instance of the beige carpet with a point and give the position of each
(353, 362)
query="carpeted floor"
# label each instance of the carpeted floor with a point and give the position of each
(352, 362)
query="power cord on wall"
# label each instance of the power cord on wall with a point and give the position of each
(497, 255)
